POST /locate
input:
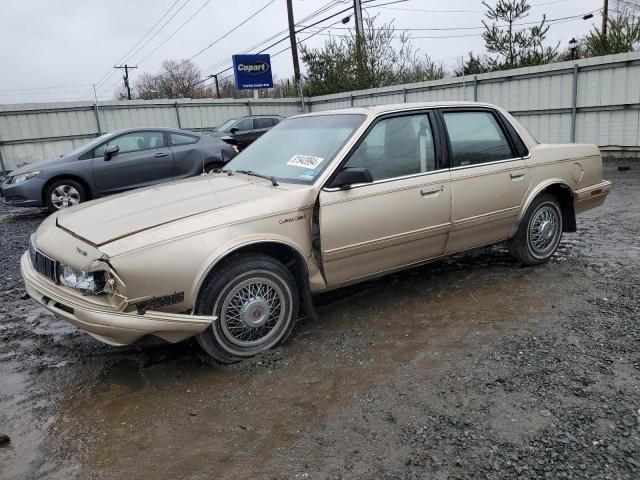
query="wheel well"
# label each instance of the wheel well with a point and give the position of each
(84, 184)
(565, 197)
(290, 258)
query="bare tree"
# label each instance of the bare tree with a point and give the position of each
(176, 79)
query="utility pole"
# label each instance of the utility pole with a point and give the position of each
(294, 44)
(605, 17)
(215, 77)
(126, 78)
(357, 7)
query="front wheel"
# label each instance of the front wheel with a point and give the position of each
(539, 232)
(256, 301)
(64, 193)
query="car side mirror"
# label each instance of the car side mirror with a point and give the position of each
(350, 176)
(110, 151)
(233, 130)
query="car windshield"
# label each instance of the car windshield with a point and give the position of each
(298, 149)
(223, 127)
(90, 145)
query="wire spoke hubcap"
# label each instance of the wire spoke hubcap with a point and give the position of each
(544, 230)
(252, 311)
(64, 196)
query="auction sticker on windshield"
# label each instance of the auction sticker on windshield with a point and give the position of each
(305, 161)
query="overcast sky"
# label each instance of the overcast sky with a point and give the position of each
(55, 51)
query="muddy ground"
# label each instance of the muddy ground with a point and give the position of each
(473, 367)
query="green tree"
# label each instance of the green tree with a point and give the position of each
(474, 65)
(515, 47)
(623, 35)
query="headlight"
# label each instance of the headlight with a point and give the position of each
(89, 282)
(23, 177)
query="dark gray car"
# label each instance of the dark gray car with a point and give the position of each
(113, 163)
(245, 130)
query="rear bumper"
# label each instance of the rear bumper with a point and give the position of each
(106, 324)
(591, 197)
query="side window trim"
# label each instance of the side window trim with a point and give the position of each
(169, 142)
(437, 145)
(499, 120)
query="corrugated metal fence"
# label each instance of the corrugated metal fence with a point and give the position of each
(31, 132)
(596, 100)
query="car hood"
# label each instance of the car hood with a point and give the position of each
(105, 220)
(42, 164)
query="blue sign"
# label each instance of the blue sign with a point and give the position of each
(252, 71)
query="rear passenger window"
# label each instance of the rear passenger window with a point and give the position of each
(396, 147)
(476, 137)
(262, 123)
(181, 139)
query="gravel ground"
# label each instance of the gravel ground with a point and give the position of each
(473, 367)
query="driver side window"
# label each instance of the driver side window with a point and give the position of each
(397, 147)
(132, 142)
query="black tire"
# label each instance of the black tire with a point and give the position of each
(76, 194)
(534, 243)
(226, 339)
(211, 167)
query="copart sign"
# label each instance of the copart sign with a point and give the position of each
(252, 71)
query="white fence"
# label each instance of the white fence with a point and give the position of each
(596, 100)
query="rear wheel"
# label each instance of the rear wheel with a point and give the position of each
(256, 301)
(539, 232)
(212, 167)
(64, 193)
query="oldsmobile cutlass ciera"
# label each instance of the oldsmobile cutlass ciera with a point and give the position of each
(320, 201)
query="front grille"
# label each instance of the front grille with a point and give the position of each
(44, 265)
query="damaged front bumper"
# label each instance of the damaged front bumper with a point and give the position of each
(106, 323)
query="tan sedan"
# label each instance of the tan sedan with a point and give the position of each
(321, 201)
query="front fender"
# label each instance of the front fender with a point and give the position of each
(232, 246)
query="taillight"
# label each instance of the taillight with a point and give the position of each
(595, 192)
(235, 148)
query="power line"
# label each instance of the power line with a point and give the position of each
(466, 35)
(314, 14)
(146, 42)
(110, 71)
(65, 87)
(230, 31)
(463, 11)
(412, 29)
(176, 31)
(314, 24)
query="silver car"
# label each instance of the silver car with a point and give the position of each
(112, 163)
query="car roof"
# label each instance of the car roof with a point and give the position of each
(375, 110)
(262, 115)
(151, 129)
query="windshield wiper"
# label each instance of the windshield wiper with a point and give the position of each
(273, 180)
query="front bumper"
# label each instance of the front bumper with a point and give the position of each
(108, 324)
(24, 194)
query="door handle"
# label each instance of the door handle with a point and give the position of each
(161, 154)
(516, 175)
(424, 193)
